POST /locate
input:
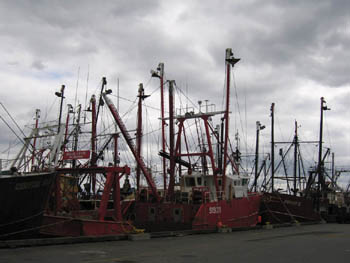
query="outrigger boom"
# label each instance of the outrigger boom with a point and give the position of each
(131, 145)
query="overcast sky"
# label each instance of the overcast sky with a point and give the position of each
(292, 53)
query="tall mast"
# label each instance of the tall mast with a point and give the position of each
(131, 145)
(76, 134)
(70, 110)
(60, 95)
(160, 74)
(171, 140)
(295, 158)
(100, 101)
(333, 171)
(116, 203)
(37, 116)
(141, 97)
(272, 145)
(221, 140)
(320, 163)
(259, 127)
(93, 141)
(230, 60)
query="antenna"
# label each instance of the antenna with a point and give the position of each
(86, 91)
(76, 93)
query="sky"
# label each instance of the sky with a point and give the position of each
(292, 54)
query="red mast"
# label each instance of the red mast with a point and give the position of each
(160, 74)
(116, 203)
(171, 140)
(131, 145)
(141, 97)
(230, 60)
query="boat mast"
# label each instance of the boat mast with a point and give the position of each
(60, 95)
(76, 134)
(141, 97)
(230, 60)
(220, 145)
(259, 127)
(93, 141)
(65, 142)
(295, 158)
(320, 162)
(116, 203)
(272, 145)
(333, 172)
(37, 117)
(100, 101)
(131, 145)
(171, 140)
(160, 74)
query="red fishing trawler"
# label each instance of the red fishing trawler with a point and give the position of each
(206, 196)
(203, 187)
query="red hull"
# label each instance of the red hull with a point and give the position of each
(235, 213)
(279, 208)
(75, 227)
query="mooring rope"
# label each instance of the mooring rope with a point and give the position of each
(35, 228)
(21, 220)
(285, 206)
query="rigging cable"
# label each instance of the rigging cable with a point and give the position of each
(194, 105)
(188, 124)
(2, 105)
(76, 93)
(47, 112)
(11, 129)
(327, 129)
(238, 108)
(86, 90)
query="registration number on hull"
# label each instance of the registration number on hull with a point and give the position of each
(215, 210)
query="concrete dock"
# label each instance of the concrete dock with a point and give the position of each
(305, 243)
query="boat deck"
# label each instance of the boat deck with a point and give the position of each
(305, 243)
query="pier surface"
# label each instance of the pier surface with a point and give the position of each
(307, 243)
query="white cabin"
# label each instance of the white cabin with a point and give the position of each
(236, 185)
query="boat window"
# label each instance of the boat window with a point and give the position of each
(244, 181)
(219, 181)
(190, 181)
(199, 181)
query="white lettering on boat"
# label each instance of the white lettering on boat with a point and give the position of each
(294, 203)
(31, 184)
(27, 185)
(215, 210)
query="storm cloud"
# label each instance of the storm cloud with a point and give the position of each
(292, 53)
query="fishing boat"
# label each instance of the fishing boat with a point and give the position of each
(86, 197)
(23, 198)
(206, 196)
(90, 199)
(279, 208)
(293, 205)
(25, 185)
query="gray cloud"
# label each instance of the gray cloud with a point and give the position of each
(39, 65)
(293, 52)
